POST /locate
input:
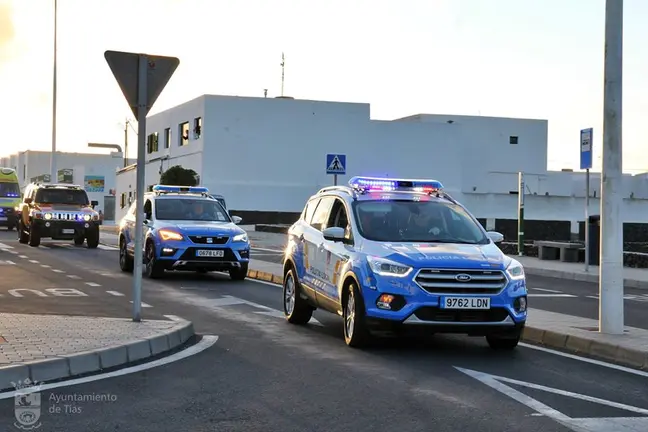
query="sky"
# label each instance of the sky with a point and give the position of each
(510, 58)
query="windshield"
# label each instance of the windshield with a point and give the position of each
(190, 210)
(417, 221)
(62, 196)
(9, 190)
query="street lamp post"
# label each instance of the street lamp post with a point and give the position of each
(53, 156)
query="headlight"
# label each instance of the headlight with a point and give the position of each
(87, 217)
(385, 267)
(515, 270)
(170, 235)
(240, 238)
(48, 216)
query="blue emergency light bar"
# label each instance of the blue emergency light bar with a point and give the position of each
(180, 189)
(377, 184)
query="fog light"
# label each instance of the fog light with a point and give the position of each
(520, 304)
(385, 301)
(168, 251)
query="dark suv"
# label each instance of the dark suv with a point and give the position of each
(59, 212)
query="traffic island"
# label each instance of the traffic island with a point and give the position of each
(562, 332)
(45, 348)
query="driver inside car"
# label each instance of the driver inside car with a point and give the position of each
(425, 222)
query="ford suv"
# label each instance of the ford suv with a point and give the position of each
(397, 254)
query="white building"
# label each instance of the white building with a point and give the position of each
(267, 155)
(95, 172)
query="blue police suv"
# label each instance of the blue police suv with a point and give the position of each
(185, 229)
(396, 255)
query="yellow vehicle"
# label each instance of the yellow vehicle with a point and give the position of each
(9, 197)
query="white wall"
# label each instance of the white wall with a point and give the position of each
(269, 155)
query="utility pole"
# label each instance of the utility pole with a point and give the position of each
(283, 70)
(611, 319)
(53, 174)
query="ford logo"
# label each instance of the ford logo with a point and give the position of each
(463, 277)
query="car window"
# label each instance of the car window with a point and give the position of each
(322, 213)
(310, 210)
(339, 217)
(148, 209)
(62, 196)
(179, 209)
(417, 221)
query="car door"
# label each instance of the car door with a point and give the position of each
(313, 243)
(128, 228)
(335, 254)
(297, 235)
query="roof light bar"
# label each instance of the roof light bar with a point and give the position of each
(377, 184)
(180, 189)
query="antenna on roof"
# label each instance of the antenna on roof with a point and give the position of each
(283, 70)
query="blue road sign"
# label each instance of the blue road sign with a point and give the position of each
(335, 164)
(586, 148)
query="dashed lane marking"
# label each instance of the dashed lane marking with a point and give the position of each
(116, 293)
(73, 277)
(46, 266)
(551, 295)
(22, 256)
(92, 284)
(546, 290)
(58, 271)
(144, 305)
(34, 261)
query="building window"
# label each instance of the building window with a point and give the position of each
(122, 200)
(167, 138)
(513, 139)
(197, 129)
(152, 143)
(183, 134)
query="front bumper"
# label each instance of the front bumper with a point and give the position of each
(420, 310)
(8, 217)
(186, 256)
(63, 230)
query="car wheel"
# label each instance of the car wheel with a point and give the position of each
(296, 309)
(239, 273)
(153, 269)
(79, 240)
(125, 262)
(504, 342)
(356, 333)
(92, 238)
(23, 237)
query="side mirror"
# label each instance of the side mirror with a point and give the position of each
(237, 219)
(335, 234)
(28, 200)
(145, 218)
(495, 236)
(94, 203)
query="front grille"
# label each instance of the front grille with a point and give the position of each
(209, 239)
(429, 313)
(442, 281)
(66, 216)
(190, 255)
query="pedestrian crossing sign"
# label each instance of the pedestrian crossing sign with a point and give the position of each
(335, 164)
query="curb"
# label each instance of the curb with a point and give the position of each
(69, 366)
(561, 274)
(610, 352)
(278, 229)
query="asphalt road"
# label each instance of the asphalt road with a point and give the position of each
(554, 294)
(266, 375)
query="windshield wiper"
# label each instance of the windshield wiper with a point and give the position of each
(441, 241)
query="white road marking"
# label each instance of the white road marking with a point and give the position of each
(10, 262)
(266, 250)
(12, 252)
(207, 341)
(73, 277)
(34, 261)
(587, 360)
(546, 290)
(45, 266)
(550, 295)
(22, 256)
(144, 305)
(116, 293)
(265, 282)
(92, 284)
(601, 424)
(108, 248)
(44, 247)
(5, 246)
(58, 271)
(175, 318)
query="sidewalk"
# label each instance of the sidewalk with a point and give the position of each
(553, 330)
(51, 347)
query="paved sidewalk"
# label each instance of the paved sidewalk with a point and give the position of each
(51, 347)
(554, 330)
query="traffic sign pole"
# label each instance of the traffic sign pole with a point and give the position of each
(520, 213)
(142, 76)
(587, 236)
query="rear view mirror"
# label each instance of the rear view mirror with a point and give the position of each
(237, 219)
(94, 203)
(495, 236)
(335, 234)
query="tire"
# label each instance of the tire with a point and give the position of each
(504, 342)
(240, 273)
(296, 309)
(152, 268)
(23, 237)
(34, 237)
(78, 241)
(10, 228)
(125, 262)
(356, 333)
(92, 238)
